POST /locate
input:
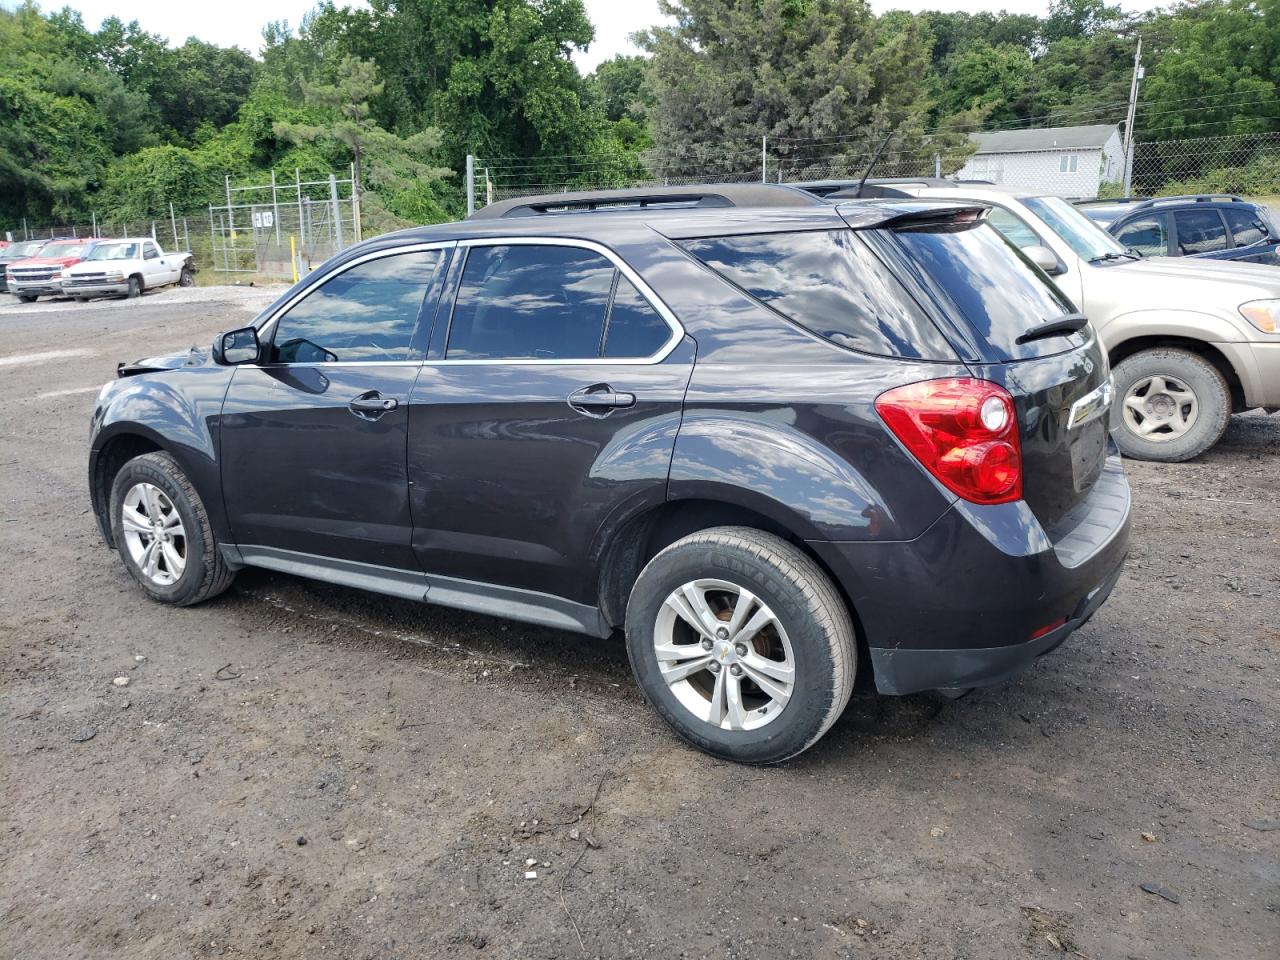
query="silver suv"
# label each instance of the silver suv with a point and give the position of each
(1190, 341)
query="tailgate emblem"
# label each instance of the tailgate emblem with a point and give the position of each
(1091, 406)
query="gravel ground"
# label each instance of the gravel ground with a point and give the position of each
(297, 770)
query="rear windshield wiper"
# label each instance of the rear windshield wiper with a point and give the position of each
(1065, 325)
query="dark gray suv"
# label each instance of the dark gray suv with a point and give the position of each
(786, 445)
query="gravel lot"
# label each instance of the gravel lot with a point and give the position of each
(297, 770)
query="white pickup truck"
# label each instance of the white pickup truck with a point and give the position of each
(129, 266)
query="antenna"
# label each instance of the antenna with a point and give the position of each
(874, 160)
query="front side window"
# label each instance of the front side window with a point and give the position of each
(1246, 227)
(831, 284)
(365, 314)
(1147, 236)
(549, 302)
(1200, 231)
(152, 252)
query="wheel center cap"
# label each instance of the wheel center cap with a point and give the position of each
(723, 651)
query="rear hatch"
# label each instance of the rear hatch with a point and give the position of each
(991, 296)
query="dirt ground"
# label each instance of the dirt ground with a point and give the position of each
(297, 770)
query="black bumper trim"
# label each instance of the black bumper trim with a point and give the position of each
(903, 671)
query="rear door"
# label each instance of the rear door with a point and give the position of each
(1252, 236)
(1201, 233)
(546, 413)
(313, 437)
(1059, 384)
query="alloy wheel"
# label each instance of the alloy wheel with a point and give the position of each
(1159, 408)
(724, 655)
(154, 534)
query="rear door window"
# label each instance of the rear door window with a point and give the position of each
(1147, 236)
(1247, 227)
(1200, 231)
(994, 286)
(831, 284)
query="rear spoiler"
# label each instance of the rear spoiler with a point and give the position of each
(891, 216)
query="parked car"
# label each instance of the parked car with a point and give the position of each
(41, 275)
(127, 267)
(784, 447)
(1211, 226)
(1190, 341)
(19, 250)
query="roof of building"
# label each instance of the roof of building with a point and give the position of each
(1050, 138)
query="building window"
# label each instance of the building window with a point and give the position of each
(1068, 163)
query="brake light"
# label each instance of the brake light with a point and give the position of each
(963, 431)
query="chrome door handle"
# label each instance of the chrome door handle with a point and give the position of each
(372, 405)
(600, 400)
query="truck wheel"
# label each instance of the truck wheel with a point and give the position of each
(188, 277)
(23, 298)
(135, 288)
(1171, 405)
(162, 531)
(741, 643)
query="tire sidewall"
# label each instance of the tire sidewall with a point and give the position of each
(135, 288)
(146, 470)
(187, 278)
(1212, 400)
(802, 719)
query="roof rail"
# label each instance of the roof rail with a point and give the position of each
(1191, 198)
(649, 198)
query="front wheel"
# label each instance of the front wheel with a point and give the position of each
(742, 644)
(162, 531)
(1171, 405)
(134, 289)
(23, 298)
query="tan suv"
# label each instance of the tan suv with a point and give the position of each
(1190, 341)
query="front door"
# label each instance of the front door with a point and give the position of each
(313, 438)
(547, 411)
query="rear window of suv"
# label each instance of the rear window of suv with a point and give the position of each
(996, 288)
(831, 284)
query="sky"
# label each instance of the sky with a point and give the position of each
(240, 22)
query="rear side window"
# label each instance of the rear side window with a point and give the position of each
(1200, 231)
(831, 284)
(1147, 236)
(550, 302)
(995, 287)
(1246, 227)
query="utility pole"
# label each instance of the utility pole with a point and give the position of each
(1128, 124)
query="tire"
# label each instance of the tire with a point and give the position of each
(811, 629)
(203, 573)
(1153, 382)
(188, 276)
(25, 299)
(135, 288)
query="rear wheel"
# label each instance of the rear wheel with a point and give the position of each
(742, 644)
(1172, 405)
(188, 277)
(162, 532)
(134, 289)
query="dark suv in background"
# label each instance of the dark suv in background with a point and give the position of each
(785, 444)
(1211, 226)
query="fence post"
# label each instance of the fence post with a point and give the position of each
(173, 225)
(355, 206)
(937, 166)
(302, 223)
(333, 203)
(275, 206)
(764, 159)
(471, 184)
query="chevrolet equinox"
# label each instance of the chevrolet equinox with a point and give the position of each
(783, 444)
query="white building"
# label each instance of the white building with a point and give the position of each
(1066, 161)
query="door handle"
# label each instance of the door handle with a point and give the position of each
(372, 405)
(600, 400)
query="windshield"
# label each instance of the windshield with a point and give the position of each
(63, 250)
(28, 248)
(114, 251)
(1086, 238)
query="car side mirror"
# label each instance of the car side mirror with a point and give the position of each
(1045, 259)
(237, 346)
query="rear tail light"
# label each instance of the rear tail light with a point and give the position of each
(964, 433)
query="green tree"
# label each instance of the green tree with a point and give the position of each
(999, 79)
(727, 73)
(201, 83)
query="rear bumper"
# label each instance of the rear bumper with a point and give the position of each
(961, 605)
